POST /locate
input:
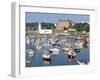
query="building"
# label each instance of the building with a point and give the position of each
(44, 31)
(64, 24)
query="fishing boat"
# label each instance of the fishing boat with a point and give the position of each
(46, 57)
(38, 44)
(31, 53)
(54, 50)
(80, 45)
(71, 55)
(69, 45)
(28, 62)
(38, 47)
(85, 43)
(28, 40)
(77, 49)
(66, 49)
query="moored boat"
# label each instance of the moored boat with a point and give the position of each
(66, 49)
(46, 57)
(80, 45)
(28, 62)
(71, 55)
(77, 49)
(38, 47)
(30, 52)
(69, 45)
(54, 50)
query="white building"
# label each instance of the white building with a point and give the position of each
(44, 31)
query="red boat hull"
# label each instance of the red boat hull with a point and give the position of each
(71, 56)
(47, 59)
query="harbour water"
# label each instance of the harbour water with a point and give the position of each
(59, 59)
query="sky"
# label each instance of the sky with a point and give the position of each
(54, 17)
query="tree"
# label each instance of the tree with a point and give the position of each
(32, 26)
(82, 27)
(47, 25)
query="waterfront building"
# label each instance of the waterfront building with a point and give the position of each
(43, 31)
(64, 24)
